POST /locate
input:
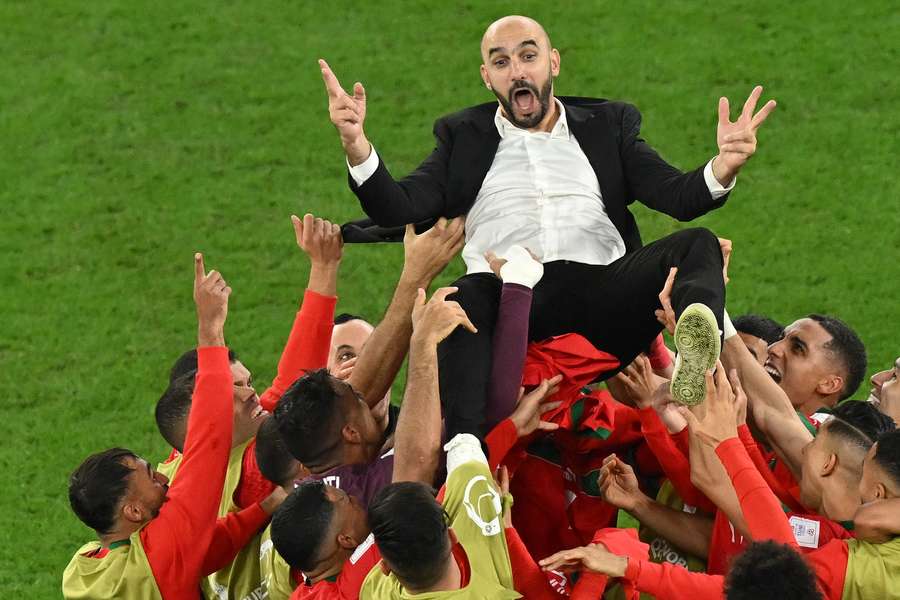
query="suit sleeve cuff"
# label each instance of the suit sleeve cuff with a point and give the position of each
(361, 172)
(716, 189)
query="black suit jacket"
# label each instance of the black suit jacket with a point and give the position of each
(447, 182)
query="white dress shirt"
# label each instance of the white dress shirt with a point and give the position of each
(540, 193)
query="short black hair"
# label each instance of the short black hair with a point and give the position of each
(173, 409)
(310, 418)
(187, 363)
(300, 524)
(846, 347)
(887, 455)
(865, 417)
(344, 317)
(759, 326)
(410, 530)
(850, 435)
(275, 462)
(97, 487)
(770, 570)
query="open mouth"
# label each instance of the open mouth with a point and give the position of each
(774, 373)
(525, 101)
(258, 412)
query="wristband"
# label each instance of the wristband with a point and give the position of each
(520, 267)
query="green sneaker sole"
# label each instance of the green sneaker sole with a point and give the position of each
(698, 345)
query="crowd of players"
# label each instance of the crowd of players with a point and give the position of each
(742, 458)
(777, 482)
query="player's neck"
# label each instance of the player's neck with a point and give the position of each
(328, 568)
(122, 532)
(838, 503)
(449, 581)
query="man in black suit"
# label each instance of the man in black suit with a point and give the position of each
(555, 175)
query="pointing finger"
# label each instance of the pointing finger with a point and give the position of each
(332, 85)
(199, 270)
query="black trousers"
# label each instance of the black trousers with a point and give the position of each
(610, 305)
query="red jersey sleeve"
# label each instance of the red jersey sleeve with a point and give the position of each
(673, 462)
(665, 580)
(177, 540)
(761, 508)
(659, 354)
(356, 568)
(500, 441)
(528, 578)
(232, 533)
(763, 467)
(307, 346)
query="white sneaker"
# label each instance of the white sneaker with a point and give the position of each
(698, 345)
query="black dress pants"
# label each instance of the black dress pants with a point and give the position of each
(611, 305)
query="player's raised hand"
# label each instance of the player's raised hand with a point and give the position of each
(319, 238)
(211, 294)
(347, 113)
(719, 422)
(425, 255)
(434, 320)
(737, 139)
(531, 406)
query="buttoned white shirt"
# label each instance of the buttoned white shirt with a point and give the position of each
(541, 193)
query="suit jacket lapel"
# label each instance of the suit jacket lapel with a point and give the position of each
(593, 136)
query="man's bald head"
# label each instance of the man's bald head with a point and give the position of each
(513, 27)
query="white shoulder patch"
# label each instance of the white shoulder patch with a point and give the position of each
(362, 549)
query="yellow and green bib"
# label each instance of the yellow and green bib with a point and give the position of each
(274, 570)
(476, 517)
(873, 570)
(123, 573)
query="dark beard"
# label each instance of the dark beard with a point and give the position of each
(543, 98)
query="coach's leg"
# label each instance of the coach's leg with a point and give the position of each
(464, 358)
(613, 306)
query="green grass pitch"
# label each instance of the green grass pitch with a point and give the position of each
(133, 134)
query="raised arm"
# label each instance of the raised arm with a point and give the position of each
(184, 528)
(771, 408)
(418, 196)
(417, 440)
(717, 431)
(425, 256)
(309, 341)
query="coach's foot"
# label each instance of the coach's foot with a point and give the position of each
(698, 345)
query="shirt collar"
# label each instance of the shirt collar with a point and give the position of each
(560, 129)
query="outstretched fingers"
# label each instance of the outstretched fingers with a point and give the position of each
(763, 113)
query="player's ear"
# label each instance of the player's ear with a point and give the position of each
(132, 512)
(346, 541)
(830, 465)
(351, 434)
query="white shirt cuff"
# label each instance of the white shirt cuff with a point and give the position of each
(361, 172)
(716, 190)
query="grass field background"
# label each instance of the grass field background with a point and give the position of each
(132, 135)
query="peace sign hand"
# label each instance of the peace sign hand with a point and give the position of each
(347, 113)
(737, 140)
